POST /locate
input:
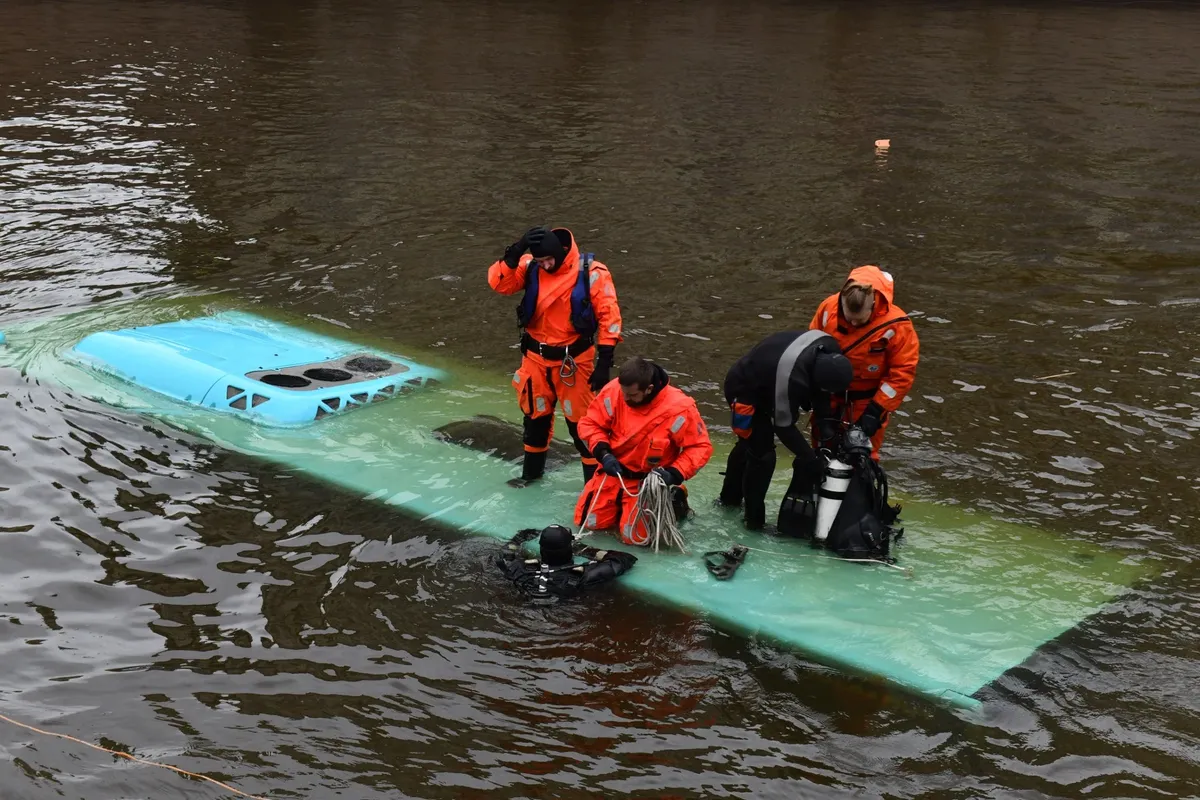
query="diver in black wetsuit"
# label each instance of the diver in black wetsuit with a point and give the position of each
(784, 374)
(556, 574)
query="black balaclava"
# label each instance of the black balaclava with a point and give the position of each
(832, 372)
(543, 243)
(555, 545)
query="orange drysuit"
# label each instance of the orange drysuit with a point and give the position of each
(884, 351)
(546, 377)
(665, 432)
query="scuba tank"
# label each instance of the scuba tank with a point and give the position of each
(833, 489)
(855, 445)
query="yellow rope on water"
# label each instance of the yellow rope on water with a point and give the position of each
(131, 757)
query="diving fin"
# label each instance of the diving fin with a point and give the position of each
(797, 516)
(723, 563)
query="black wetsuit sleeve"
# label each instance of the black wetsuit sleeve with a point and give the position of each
(511, 552)
(611, 564)
(516, 571)
(794, 440)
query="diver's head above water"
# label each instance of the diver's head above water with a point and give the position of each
(555, 544)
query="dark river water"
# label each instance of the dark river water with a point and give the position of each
(364, 161)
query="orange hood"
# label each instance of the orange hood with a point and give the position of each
(877, 279)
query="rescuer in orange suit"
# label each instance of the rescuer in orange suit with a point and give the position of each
(639, 424)
(570, 324)
(881, 343)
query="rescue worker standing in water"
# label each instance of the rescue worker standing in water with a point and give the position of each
(881, 343)
(570, 324)
(639, 424)
(766, 389)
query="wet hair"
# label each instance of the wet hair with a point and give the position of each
(856, 297)
(638, 372)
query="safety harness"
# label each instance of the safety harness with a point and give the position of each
(867, 394)
(583, 315)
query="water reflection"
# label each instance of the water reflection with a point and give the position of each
(92, 189)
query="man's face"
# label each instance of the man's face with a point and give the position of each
(862, 317)
(636, 395)
(546, 263)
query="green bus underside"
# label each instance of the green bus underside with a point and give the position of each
(976, 597)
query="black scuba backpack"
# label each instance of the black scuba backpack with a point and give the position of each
(863, 525)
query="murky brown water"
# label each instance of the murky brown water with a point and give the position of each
(363, 162)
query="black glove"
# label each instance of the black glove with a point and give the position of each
(806, 471)
(610, 465)
(602, 371)
(535, 236)
(669, 475)
(871, 420)
(827, 431)
(512, 550)
(526, 535)
(608, 462)
(856, 442)
(513, 253)
(621, 562)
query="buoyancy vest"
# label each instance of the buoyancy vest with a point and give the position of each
(864, 525)
(583, 315)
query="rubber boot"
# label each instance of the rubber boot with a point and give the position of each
(759, 469)
(735, 475)
(532, 469)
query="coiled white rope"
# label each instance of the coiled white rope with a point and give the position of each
(654, 509)
(652, 506)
